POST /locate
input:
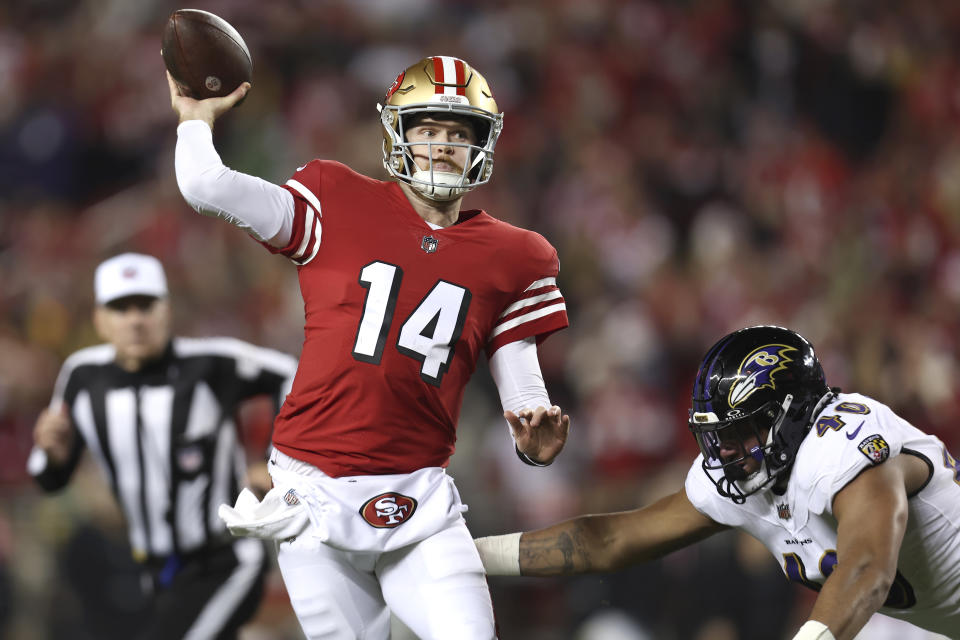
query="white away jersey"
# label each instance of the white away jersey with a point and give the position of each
(850, 434)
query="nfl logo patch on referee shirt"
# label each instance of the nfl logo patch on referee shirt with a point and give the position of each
(875, 448)
(190, 458)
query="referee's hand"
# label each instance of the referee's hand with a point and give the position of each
(54, 435)
(258, 479)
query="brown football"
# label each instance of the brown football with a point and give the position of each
(204, 54)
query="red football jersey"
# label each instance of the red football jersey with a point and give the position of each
(397, 314)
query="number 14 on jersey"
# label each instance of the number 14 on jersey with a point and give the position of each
(428, 334)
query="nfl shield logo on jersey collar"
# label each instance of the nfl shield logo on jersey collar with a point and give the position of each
(783, 511)
(429, 244)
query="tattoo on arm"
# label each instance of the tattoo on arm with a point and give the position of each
(564, 552)
(567, 548)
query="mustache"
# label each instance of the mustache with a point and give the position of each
(457, 167)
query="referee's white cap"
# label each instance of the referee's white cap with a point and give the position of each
(129, 274)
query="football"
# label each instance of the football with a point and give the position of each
(205, 54)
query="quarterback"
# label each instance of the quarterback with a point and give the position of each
(851, 500)
(402, 292)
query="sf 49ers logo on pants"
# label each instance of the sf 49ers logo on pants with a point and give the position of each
(388, 510)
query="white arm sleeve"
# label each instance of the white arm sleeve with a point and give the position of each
(516, 372)
(261, 208)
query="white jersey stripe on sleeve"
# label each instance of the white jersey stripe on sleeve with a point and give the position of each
(317, 233)
(308, 195)
(526, 302)
(307, 226)
(543, 282)
(312, 227)
(527, 317)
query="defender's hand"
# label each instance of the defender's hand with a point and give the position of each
(207, 110)
(540, 433)
(54, 434)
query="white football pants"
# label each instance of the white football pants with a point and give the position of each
(436, 587)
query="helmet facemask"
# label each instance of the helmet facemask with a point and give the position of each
(438, 185)
(442, 88)
(729, 446)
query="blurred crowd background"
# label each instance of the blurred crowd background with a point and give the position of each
(700, 165)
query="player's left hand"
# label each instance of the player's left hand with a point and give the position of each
(540, 433)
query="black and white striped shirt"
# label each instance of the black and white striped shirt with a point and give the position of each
(166, 436)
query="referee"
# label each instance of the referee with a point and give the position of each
(158, 413)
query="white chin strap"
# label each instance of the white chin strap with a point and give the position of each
(756, 479)
(440, 185)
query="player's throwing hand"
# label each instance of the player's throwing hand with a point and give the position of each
(207, 110)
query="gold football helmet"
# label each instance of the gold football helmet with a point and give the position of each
(440, 85)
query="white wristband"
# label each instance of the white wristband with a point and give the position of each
(500, 554)
(813, 630)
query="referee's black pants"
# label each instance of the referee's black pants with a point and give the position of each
(208, 594)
